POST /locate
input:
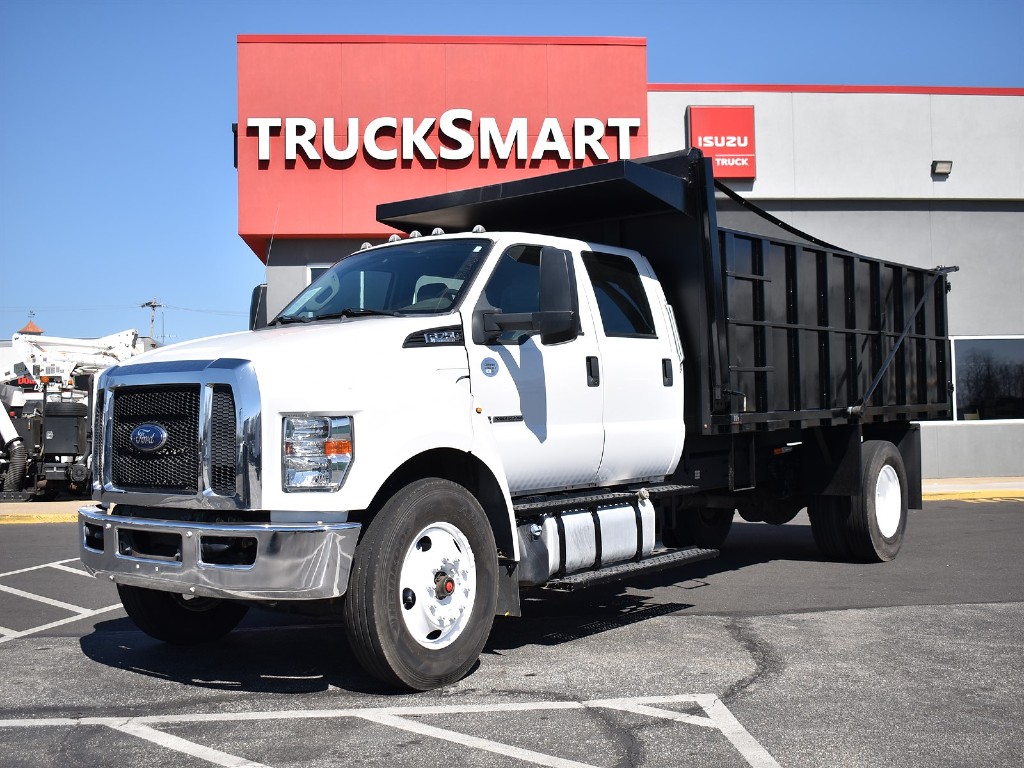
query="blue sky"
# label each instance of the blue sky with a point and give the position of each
(116, 176)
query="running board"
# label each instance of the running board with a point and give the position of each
(620, 571)
(532, 505)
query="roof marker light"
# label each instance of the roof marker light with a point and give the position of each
(478, 229)
(437, 231)
(394, 239)
(415, 233)
(365, 245)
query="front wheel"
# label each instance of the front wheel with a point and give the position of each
(180, 619)
(422, 589)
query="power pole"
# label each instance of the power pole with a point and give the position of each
(152, 304)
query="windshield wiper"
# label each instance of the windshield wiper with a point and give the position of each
(355, 312)
(286, 319)
(346, 312)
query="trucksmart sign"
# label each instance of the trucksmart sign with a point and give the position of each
(329, 126)
(457, 135)
(726, 135)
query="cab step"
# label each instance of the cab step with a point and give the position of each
(619, 571)
(532, 505)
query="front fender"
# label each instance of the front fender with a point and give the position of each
(391, 426)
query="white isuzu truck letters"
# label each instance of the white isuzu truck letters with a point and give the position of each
(585, 387)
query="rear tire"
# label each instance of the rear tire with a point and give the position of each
(879, 520)
(870, 526)
(828, 516)
(423, 587)
(699, 527)
(66, 409)
(178, 619)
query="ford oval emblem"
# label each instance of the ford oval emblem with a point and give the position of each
(148, 437)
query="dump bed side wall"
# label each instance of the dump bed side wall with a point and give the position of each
(809, 328)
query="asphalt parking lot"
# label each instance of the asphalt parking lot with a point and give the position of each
(767, 656)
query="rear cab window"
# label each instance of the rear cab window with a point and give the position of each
(621, 299)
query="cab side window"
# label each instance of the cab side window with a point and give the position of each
(621, 300)
(514, 286)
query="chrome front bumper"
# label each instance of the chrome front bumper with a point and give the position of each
(288, 562)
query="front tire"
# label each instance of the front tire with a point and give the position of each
(180, 619)
(423, 587)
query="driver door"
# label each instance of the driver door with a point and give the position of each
(544, 408)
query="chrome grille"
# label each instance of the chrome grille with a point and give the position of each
(174, 467)
(210, 410)
(222, 441)
(96, 444)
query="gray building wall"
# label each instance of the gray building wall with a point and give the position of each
(289, 262)
(855, 170)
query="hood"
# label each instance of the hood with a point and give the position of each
(316, 350)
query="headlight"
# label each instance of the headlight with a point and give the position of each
(316, 452)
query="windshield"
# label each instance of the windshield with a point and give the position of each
(408, 278)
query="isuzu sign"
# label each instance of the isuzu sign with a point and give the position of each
(726, 135)
(456, 135)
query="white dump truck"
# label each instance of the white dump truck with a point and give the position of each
(585, 379)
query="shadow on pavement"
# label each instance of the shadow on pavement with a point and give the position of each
(287, 654)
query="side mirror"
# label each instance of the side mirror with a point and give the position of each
(258, 307)
(558, 318)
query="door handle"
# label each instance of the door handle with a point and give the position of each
(593, 372)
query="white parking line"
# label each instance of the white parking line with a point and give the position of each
(178, 744)
(69, 569)
(78, 617)
(42, 599)
(526, 755)
(6, 635)
(718, 717)
(54, 564)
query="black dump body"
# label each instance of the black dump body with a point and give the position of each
(780, 331)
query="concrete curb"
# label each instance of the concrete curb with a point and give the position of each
(1000, 494)
(22, 518)
(25, 512)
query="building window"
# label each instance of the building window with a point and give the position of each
(989, 377)
(315, 270)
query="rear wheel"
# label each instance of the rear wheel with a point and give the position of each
(879, 520)
(871, 525)
(180, 619)
(422, 591)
